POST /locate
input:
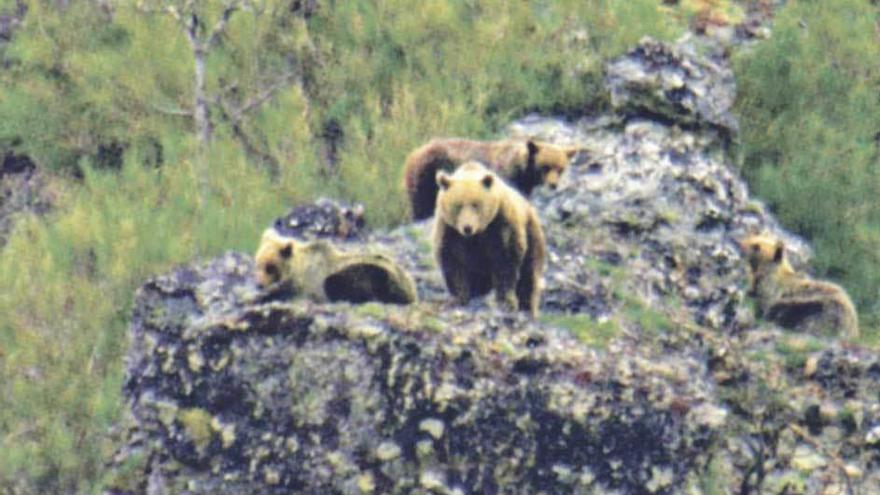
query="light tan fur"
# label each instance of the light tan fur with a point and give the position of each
(792, 299)
(488, 237)
(524, 163)
(307, 266)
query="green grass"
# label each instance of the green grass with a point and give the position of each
(587, 330)
(795, 349)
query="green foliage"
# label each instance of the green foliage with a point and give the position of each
(66, 288)
(810, 111)
(795, 349)
(298, 107)
(593, 333)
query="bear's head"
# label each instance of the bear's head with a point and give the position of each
(273, 257)
(763, 251)
(549, 160)
(469, 199)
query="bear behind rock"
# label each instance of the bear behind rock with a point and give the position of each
(487, 236)
(523, 163)
(794, 300)
(319, 271)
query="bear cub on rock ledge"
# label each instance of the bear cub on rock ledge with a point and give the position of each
(794, 300)
(487, 236)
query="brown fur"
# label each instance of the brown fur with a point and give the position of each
(319, 271)
(487, 236)
(525, 164)
(794, 300)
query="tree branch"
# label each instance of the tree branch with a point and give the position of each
(267, 93)
(178, 112)
(220, 26)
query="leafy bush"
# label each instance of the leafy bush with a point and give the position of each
(809, 103)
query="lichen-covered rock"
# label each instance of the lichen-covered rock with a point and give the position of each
(239, 397)
(674, 83)
(23, 190)
(325, 218)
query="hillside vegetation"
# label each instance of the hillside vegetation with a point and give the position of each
(299, 101)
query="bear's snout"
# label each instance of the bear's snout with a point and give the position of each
(467, 230)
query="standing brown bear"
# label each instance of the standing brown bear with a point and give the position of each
(523, 163)
(487, 236)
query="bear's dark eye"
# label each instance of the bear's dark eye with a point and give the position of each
(475, 205)
(286, 251)
(271, 270)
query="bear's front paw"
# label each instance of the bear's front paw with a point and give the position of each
(508, 300)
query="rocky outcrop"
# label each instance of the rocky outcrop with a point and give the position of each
(647, 372)
(672, 83)
(23, 190)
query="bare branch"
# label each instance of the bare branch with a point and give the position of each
(266, 94)
(177, 112)
(220, 26)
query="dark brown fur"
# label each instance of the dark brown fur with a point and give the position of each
(523, 164)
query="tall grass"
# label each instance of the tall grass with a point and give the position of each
(66, 287)
(809, 104)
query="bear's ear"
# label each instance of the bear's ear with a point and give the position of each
(570, 152)
(443, 180)
(532, 147)
(286, 251)
(488, 180)
(779, 252)
(268, 234)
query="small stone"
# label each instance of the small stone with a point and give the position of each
(807, 460)
(387, 451)
(811, 366)
(660, 478)
(873, 436)
(366, 483)
(431, 480)
(709, 415)
(433, 427)
(271, 476)
(292, 444)
(563, 473)
(227, 432)
(854, 472)
(424, 448)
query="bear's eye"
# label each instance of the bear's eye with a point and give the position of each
(271, 270)
(475, 205)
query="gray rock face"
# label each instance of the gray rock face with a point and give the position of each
(22, 191)
(674, 84)
(646, 373)
(234, 397)
(323, 219)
